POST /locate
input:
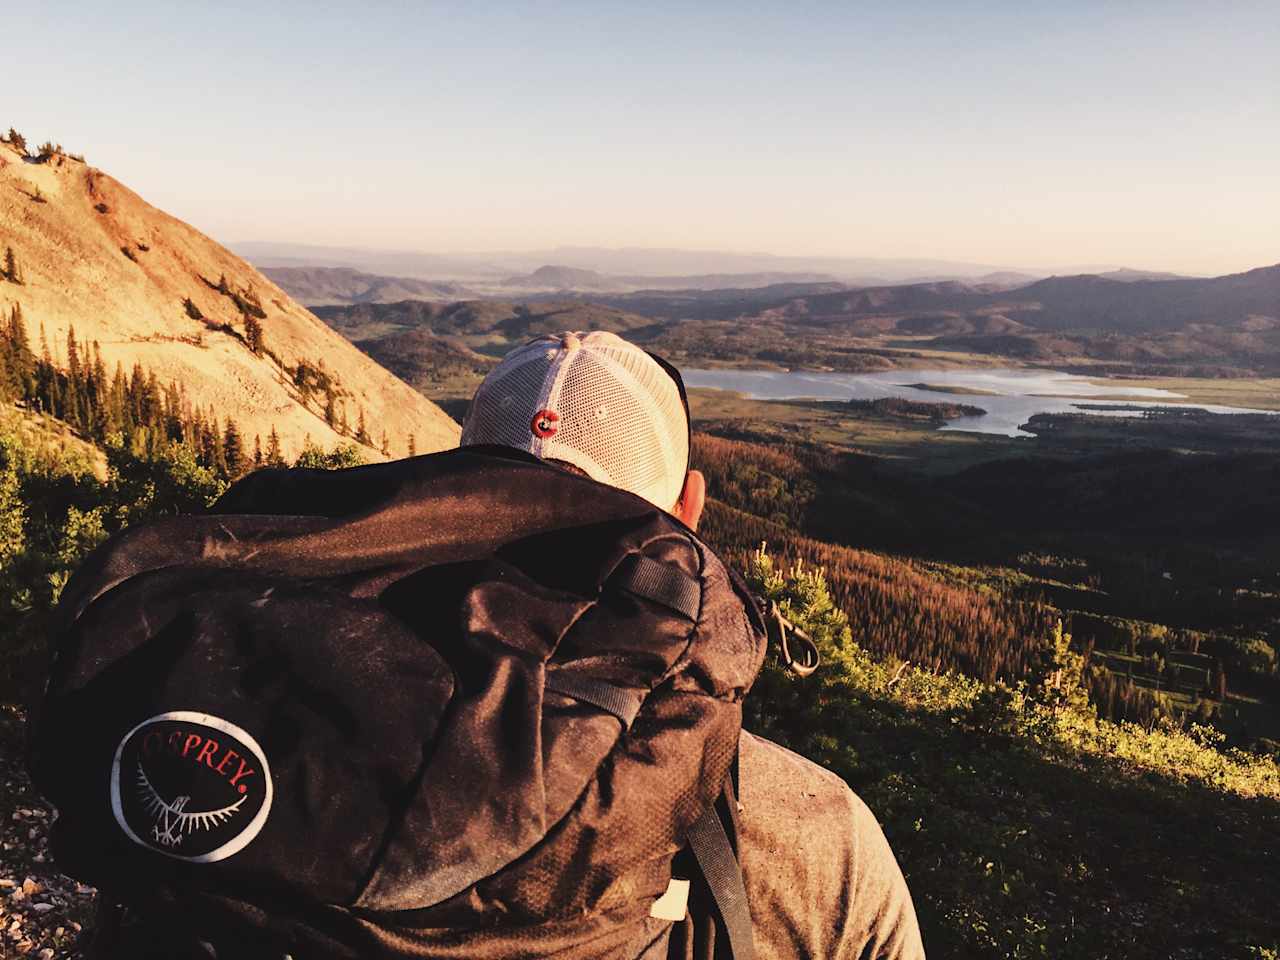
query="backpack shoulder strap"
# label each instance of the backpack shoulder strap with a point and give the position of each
(718, 926)
(723, 874)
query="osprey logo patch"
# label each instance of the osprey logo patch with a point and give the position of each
(191, 786)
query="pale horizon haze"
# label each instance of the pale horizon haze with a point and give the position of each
(1027, 135)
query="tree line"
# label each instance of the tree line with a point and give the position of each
(132, 409)
(763, 494)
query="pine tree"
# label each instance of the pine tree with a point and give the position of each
(274, 457)
(362, 434)
(257, 450)
(385, 446)
(330, 410)
(22, 360)
(413, 446)
(17, 140)
(151, 400)
(73, 355)
(74, 406)
(1219, 681)
(233, 449)
(117, 403)
(218, 459)
(253, 334)
(12, 273)
(47, 386)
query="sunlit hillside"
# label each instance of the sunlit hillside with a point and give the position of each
(82, 251)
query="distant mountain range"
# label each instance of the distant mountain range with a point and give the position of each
(1082, 304)
(334, 286)
(640, 267)
(1213, 326)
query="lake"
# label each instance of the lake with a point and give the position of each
(1014, 395)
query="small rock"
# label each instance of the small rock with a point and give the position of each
(46, 954)
(5, 883)
(29, 886)
(42, 907)
(18, 895)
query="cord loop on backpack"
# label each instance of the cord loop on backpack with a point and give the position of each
(786, 634)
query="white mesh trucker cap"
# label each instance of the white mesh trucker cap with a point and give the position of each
(593, 400)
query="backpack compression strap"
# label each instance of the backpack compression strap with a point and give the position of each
(723, 874)
(650, 580)
(667, 585)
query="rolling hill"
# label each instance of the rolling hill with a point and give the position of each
(328, 286)
(88, 253)
(479, 322)
(1214, 326)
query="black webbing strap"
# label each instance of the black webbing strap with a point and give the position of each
(660, 583)
(711, 848)
(623, 704)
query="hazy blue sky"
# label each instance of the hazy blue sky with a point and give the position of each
(1034, 134)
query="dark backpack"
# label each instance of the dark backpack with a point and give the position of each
(464, 705)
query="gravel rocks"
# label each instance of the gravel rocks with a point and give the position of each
(42, 912)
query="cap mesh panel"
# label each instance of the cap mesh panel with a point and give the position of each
(621, 419)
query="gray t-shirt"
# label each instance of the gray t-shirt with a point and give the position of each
(821, 880)
(822, 883)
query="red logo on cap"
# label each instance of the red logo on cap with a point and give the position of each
(544, 423)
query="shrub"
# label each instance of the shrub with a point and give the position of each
(341, 456)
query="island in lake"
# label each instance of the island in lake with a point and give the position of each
(901, 409)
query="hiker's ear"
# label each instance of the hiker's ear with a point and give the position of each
(692, 499)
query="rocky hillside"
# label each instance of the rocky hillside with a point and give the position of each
(80, 250)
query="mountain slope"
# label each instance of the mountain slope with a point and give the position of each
(93, 255)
